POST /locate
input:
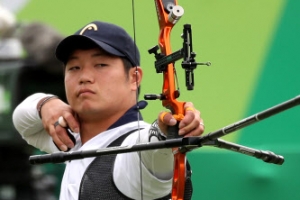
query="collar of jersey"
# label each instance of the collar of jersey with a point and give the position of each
(131, 115)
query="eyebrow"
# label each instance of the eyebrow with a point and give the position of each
(99, 54)
(72, 57)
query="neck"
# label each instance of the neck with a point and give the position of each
(92, 125)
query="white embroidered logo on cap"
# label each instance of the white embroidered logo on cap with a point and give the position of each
(89, 27)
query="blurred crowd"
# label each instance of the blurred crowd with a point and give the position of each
(29, 47)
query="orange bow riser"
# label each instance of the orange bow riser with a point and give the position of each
(168, 13)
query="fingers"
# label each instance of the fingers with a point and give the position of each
(167, 118)
(191, 125)
(57, 115)
(69, 120)
(62, 135)
(194, 129)
(59, 141)
(61, 121)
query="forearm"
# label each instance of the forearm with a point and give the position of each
(28, 123)
(156, 165)
(159, 161)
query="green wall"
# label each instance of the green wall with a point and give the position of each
(253, 46)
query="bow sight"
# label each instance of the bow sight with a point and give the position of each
(186, 53)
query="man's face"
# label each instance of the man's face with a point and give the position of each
(97, 85)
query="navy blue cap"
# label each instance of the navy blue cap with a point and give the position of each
(109, 37)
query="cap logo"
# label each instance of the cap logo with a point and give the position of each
(89, 27)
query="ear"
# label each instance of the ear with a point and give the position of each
(136, 74)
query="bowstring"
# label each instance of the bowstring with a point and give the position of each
(137, 98)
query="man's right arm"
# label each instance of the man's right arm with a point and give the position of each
(28, 123)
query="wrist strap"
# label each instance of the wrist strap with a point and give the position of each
(43, 101)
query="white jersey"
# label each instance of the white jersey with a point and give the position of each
(157, 165)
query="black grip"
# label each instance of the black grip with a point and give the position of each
(56, 157)
(173, 131)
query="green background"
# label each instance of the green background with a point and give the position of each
(254, 49)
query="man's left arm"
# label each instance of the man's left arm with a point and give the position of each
(157, 164)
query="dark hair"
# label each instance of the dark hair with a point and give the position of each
(127, 66)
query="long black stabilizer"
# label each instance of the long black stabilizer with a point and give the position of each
(186, 144)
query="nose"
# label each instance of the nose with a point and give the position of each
(86, 75)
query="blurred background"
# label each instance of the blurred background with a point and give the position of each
(254, 49)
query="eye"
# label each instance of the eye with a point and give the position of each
(73, 68)
(101, 65)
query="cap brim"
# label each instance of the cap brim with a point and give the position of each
(69, 44)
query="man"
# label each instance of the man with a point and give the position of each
(102, 77)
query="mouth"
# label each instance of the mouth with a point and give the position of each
(85, 92)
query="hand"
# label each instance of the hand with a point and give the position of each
(190, 125)
(50, 113)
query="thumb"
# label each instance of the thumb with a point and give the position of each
(167, 118)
